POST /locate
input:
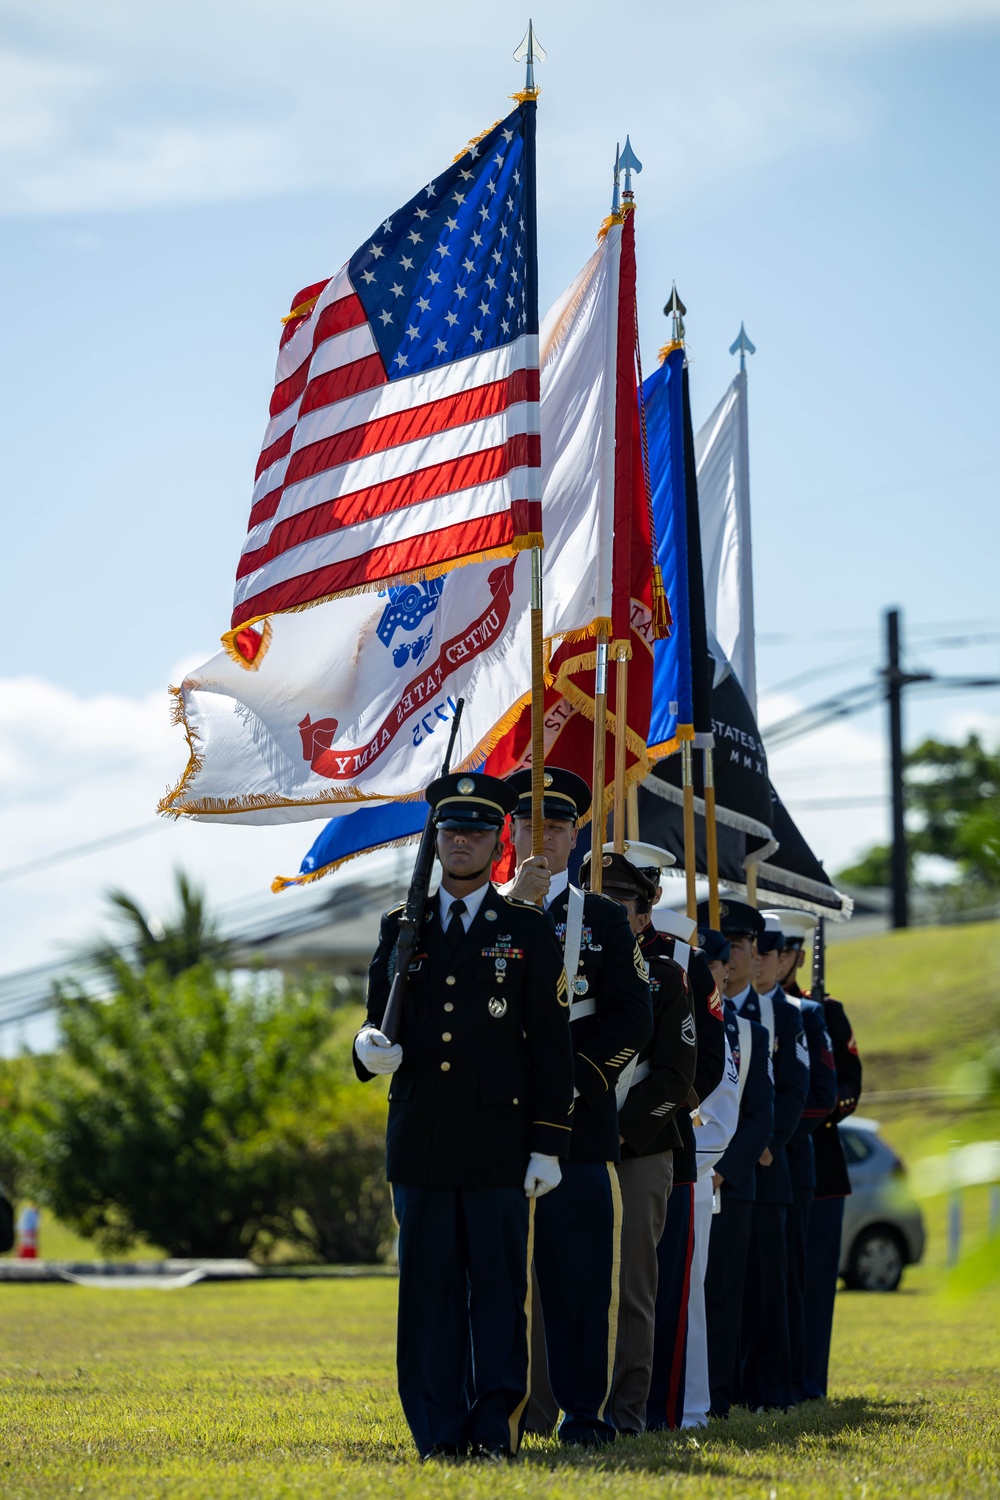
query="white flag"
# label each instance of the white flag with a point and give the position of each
(723, 465)
(353, 699)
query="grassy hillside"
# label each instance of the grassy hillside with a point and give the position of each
(923, 1004)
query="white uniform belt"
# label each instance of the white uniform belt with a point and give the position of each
(580, 1008)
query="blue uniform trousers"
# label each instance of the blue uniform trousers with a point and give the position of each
(462, 1327)
(577, 1265)
(665, 1407)
(724, 1280)
(823, 1259)
(800, 1285)
(764, 1354)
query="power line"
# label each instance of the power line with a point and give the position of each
(78, 851)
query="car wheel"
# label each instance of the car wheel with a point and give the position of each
(877, 1261)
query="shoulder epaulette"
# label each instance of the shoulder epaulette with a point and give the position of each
(523, 905)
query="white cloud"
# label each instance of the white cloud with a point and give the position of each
(119, 106)
(76, 769)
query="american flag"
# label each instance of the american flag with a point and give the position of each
(404, 432)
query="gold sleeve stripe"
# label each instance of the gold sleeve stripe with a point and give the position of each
(551, 1125)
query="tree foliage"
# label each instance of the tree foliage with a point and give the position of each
(952, 795)
(191, 937)
(208, 1113)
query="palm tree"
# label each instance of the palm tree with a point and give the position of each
(190, 938)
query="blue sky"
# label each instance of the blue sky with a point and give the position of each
(170, 176)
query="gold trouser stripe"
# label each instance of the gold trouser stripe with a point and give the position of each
(616, 1270)
(515, 1416)
(392, 1205)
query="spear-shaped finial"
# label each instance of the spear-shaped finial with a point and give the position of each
(675, 309)
(629, 163)
(742, 347)
(529, 53)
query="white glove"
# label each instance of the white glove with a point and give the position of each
(543, 1174)
(375, 1051)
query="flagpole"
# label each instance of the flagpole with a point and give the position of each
(625, 161)
(597, 816)
(675, 310)
(529, 52)
(621, 721)
(742, 346)
(711, 841)
(690, 852)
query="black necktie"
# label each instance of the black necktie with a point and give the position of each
(455, 931)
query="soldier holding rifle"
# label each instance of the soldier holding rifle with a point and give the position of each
(480, 1113)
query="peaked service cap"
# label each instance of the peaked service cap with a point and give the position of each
(468, 799)
(565, 795)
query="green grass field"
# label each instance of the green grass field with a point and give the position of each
(287, 1389)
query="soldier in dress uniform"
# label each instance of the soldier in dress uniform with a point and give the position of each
(480, 1114)
(578, 1230)
(764, 1351)
(648, 1103)
(734, 1180)
(675, 1252)
(820, 1101)
(826, 1217)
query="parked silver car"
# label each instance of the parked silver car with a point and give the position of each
(883, 1226)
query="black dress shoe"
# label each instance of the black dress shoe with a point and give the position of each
(489, 1453)
(442, 1450)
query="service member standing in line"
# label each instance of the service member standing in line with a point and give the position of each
(820, 1103)
(764, 1351)
(647, 1110)
(826, 1218)
(675, 1252)
(734, 1180)
(578, 1229)
(480, 1113)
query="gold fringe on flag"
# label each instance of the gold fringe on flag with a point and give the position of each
(300, 311)
(669, 348)
(662, 618)
(477, 138)
(618, 218)
(511, 549)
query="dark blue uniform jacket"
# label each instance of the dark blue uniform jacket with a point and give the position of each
(821, 1099)
(832, 1180)
(790, 1061)
(612, 973)
(487, 1070)
(737, 1164)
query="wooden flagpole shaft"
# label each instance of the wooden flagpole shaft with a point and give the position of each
(537, 702)
(752, 885)
(600, 733)
(711, 841)
(690, 854)
(632, 807)
(621, 720)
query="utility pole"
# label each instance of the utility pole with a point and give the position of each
(896, 679)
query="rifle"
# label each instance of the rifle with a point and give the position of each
(818, 990)
(413, 911)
